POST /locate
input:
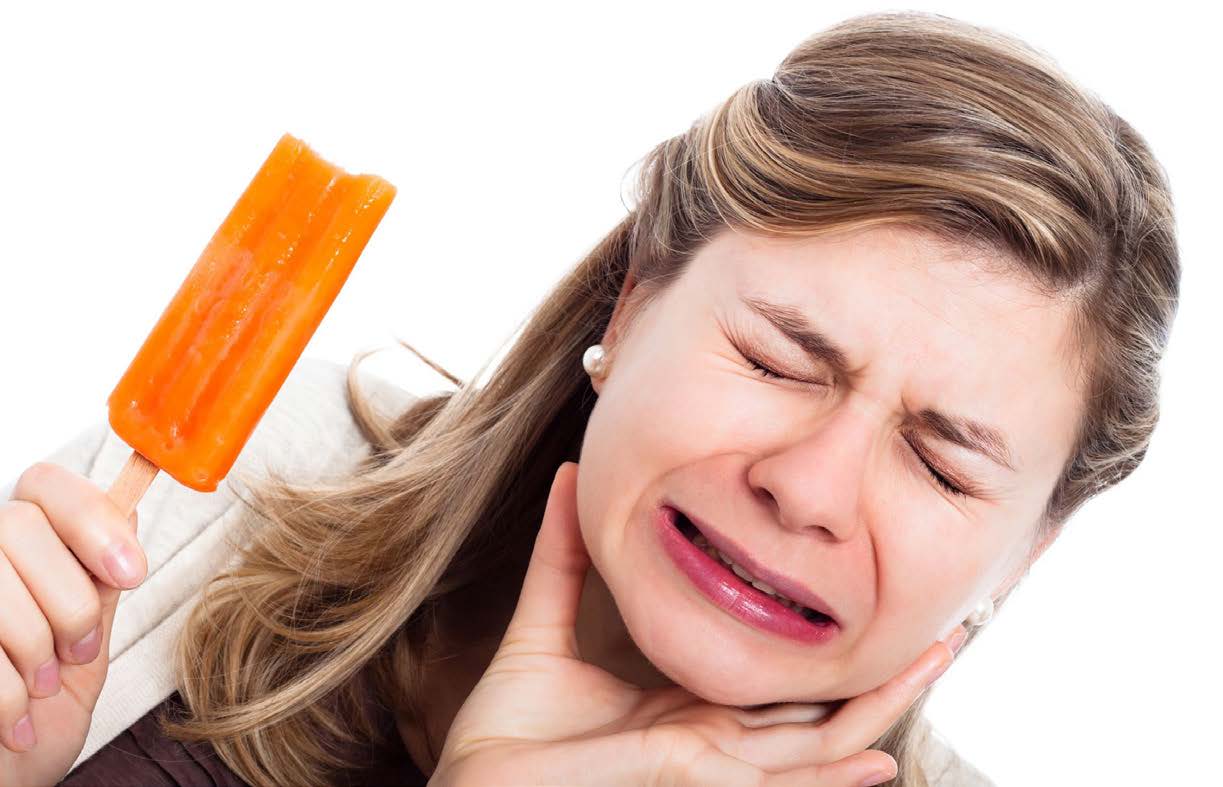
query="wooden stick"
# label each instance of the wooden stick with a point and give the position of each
(126, 490)
(131, 484)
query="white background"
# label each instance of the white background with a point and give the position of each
(127, 132)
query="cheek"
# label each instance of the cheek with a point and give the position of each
(922, 582)
(630, 439)
(929, 562)
(657, 412)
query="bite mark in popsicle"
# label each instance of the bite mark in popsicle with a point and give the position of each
(239, 322)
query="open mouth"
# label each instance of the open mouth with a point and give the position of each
(751, 584)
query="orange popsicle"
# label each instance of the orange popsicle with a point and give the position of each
(230, 336)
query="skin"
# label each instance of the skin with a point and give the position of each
(58, 586)
(814, 475)
(622, 661)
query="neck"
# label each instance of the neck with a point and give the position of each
(603, 640)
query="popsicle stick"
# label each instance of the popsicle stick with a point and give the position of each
(132, 482)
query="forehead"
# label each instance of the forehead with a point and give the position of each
(938, 324)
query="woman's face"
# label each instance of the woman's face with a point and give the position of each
(819, 478)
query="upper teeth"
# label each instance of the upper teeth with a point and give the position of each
(700, 540)
(739, 570)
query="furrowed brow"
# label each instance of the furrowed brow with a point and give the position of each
(964, 432)
(973, 435)
(791, 321)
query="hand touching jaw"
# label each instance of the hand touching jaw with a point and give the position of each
(867, 425)
(542, 714)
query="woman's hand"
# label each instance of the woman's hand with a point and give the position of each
(59, 584)
(541, 715)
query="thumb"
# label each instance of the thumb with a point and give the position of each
(548, 604)
(108, 594)
(93, 675)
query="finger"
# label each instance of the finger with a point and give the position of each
(552, 587)
(25, 635)
(782, 738)
(706, 769)
(108, 593)
(60, 586)
(87, 521)
(783, 713)
(780, 747)
(864, 719)
(860, 770)
(16, 728)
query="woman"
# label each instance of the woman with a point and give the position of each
(874, 330)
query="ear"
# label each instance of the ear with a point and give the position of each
(1038, 549)
(621, 315)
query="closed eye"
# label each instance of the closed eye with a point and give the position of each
(942, 480)
(764, 370)
(939, 478)
(752, 357)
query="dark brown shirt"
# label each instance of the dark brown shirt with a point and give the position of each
(141, 756)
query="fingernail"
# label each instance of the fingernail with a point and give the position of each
(120, 561)
(878, 777)
(957, 639)
(46, 679)
(23, 733)
(87, 649)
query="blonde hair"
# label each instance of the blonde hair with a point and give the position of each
(907, 118)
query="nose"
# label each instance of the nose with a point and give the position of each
(815, 482)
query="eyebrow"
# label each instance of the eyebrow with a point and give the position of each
(791, 321)
(968, 434)
(964, 432)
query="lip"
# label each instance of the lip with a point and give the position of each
(728, 592)
(788, 587)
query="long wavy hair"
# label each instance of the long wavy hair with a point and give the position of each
(900, 117)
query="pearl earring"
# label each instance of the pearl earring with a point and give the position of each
(594, 360)
(981, 613)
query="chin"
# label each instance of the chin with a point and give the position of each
(704, 661)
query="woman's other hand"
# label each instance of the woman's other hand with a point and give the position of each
(60, 580)
(541, 715)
